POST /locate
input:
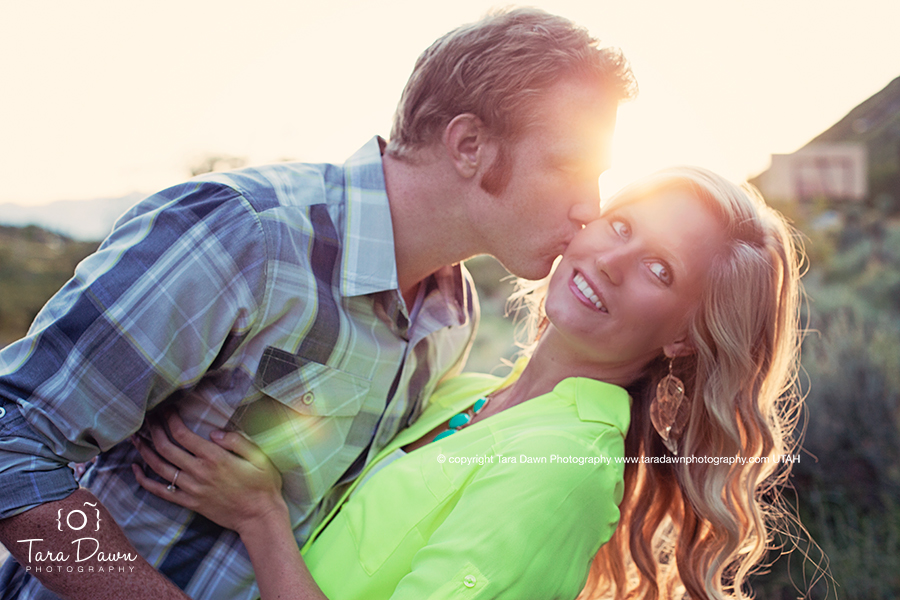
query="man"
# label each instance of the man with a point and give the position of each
(312, 307)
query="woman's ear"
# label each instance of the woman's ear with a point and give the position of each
(465, 138)
(681, 347)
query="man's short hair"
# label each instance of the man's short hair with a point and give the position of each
(497, 69)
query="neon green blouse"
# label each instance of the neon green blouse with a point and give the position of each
(515, 506)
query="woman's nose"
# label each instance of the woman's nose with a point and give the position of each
(611, 264)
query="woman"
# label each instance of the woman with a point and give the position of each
(685, 294)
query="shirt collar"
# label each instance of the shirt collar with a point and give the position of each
(368, 263)
(614, 409)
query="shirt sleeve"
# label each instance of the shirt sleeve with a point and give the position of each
(175, 285)
(524, 529)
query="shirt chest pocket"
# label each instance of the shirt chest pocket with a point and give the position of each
(311, 388)
(312, 422)
(312, 419)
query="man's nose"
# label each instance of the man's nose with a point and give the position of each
(587, 207)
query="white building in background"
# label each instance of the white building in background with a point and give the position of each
(834, 171)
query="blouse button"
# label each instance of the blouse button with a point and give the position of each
(307, 398)
(2, 412)
(469, 581)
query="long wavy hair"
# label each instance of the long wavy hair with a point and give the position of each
(701, 528)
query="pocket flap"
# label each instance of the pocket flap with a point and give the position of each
(320, 390)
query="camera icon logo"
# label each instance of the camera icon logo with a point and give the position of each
(76, 520)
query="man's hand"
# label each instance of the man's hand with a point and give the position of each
(76, 549)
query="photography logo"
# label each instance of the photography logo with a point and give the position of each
(84, 518)
(44, 558)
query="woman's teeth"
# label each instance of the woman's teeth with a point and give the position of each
(582, 285)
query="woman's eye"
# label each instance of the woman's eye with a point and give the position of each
(621, 228)
(661, 271)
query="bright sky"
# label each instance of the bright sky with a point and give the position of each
(104, 97)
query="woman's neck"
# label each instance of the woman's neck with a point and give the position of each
(539, 377)
(553, 361)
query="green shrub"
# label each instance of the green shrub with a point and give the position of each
(848, 479)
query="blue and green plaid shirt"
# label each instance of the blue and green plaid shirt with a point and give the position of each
(263, 300)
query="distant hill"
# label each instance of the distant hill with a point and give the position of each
(876, 124)
(34, 264)
(86, 220)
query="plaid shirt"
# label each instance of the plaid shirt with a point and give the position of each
(263, 300)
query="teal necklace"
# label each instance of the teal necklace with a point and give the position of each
(462, 419)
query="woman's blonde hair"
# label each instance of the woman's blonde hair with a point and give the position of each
(701, 527)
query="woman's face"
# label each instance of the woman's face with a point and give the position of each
(629, 281)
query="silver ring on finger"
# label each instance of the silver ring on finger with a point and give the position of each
(171, 487)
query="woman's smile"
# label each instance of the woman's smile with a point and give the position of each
(585, 292)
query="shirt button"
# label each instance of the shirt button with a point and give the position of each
(2, 412)
(308, 398)
(469, 581)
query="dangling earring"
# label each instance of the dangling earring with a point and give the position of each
(664, 410)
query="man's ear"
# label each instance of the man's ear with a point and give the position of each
(464, 138)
